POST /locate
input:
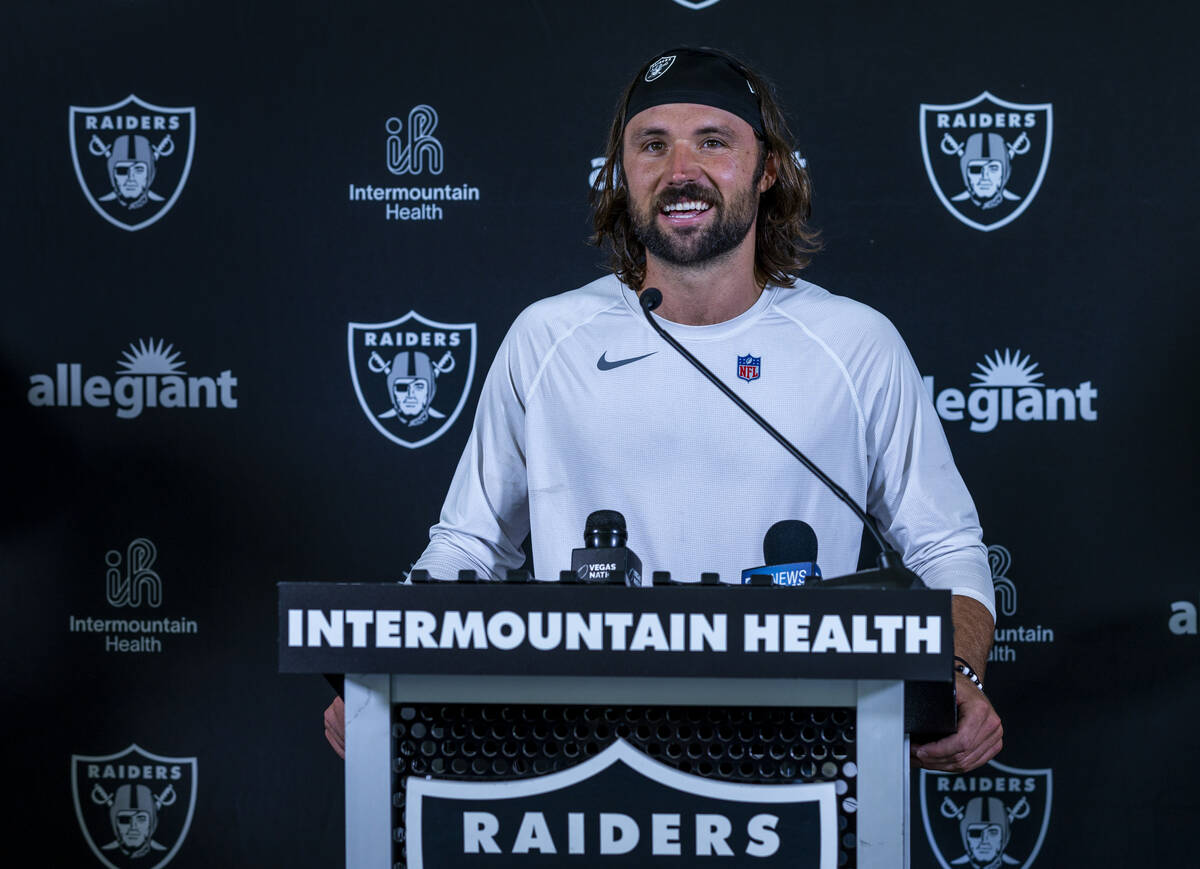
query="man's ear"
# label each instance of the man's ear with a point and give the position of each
(770, 173)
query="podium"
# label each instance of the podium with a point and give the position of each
(581, 714)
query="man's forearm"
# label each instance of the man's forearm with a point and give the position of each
(973, 632)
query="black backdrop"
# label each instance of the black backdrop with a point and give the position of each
(262, 261)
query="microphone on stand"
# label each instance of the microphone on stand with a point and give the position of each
(891, 572)
(604, 558)
(790, 553)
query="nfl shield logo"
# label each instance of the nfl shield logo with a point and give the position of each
(986, 158)
(749, 367)
(412, 375)
(132, 158)
(134, 808)
(996, 815)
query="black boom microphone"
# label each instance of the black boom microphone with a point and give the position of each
(891, 572)
(605, 558)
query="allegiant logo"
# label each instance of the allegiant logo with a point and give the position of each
(1006, 388)
(150, 375)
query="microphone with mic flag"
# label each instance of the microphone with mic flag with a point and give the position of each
(790, 553)
(604, 558)
(891, 572)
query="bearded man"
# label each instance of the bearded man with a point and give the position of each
(585, 407)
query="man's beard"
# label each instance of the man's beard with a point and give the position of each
(696, 246)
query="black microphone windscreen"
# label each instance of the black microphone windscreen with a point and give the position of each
(650, 298)
(789, 542)
(604, 528)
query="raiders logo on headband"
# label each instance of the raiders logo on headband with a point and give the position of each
(659, 67)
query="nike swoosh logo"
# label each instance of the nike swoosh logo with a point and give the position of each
(604, 365)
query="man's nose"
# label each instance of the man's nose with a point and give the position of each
(684, 166)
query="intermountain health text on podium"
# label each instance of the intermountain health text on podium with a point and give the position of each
(657, 631)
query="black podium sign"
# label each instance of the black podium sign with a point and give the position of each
(547, 628)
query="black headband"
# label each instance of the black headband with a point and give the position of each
(689, 75)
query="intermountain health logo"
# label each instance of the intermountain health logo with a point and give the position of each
(986, 157)
(412, 375)
(696, 5)
(993, 817)
(133, 588)
(412, 149)
(132, 158)
(130, 579)
(620, 809)
(1008, 636)
(149, 374)
(1007, 388)
(134, 807)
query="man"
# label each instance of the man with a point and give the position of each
(586, 408)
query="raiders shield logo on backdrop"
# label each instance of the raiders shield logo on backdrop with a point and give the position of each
(132, 158)
(620, 808)
(986, 158)
(993, 817)
(412, 375)
(134, 807)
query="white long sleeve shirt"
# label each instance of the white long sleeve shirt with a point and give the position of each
(586, 408)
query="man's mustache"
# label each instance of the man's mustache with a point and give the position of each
(689, 192)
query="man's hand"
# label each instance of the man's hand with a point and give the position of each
(977, 740)
(335, 726)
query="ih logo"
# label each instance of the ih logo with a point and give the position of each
(1010, 637)
(133, 582)
(749, 367)
(134, 808)
(132, 158)
(619, 809)
(412, 375)
(994, 817)
(986, 158)
(420, 150)
(1000, 560)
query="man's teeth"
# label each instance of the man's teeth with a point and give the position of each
(686, 206)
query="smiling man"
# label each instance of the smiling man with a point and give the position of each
(586, 408)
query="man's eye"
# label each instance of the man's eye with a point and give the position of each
(713, 143)
(654, 146)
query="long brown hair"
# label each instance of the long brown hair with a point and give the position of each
(785, 242)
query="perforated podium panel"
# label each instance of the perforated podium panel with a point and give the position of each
(760, 745)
